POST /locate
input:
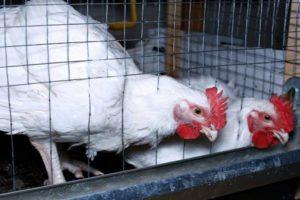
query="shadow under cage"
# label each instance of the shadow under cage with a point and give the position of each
(97, 87)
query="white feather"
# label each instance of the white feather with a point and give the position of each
(88, 52)
(172, 149)
(234, 135)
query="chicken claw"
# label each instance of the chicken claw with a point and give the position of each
(77, 168)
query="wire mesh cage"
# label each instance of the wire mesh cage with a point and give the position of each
(79, 79)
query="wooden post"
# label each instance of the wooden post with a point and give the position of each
(173, 37)
(179, 14)
(195, 13)
(292, 62)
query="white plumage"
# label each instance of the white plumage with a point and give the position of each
(47, 56)
(51, 95)
(37, 48)
(172, 148)
(235, 134)
(169, 150)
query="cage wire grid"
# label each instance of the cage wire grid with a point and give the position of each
(244, 40)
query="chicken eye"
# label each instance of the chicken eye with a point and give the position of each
(197, 111)
(267, 118)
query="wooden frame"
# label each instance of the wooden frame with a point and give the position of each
(180, 17)
(292, 61)
(173, 37)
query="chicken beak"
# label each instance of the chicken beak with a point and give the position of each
(211, 133)
(282, 136)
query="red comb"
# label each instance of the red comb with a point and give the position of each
(218, 106)
(284, 109)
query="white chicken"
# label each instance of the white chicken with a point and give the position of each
(250, 122)
(67, 84)
(256, 122)
(172, 148)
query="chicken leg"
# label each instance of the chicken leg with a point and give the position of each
(76, 167)
(50, 159)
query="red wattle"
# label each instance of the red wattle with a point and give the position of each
(263, 140)
(188, 131)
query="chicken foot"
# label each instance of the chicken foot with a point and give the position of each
(76, 167)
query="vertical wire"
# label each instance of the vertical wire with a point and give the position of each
(255, 52)
(260, 32)
(285, 24)
(226, 31)
(285, 32)
(239, 31)
(107, 34)
(89, 83)
(211, 52)
(158, 74)
(218, 42)
(215, 15)
(142, 35)
(260, 22)
(125, 81)
(294, 73)
(9, 102)
(189, 41)
(203, 36)
(278, 44)
(222, 14)
(49, 87)
(26, 44)
(265, 69)
(232, 30)
(158, 44)
(113, 10)
(233, 7)
(68, 45)
(272, 74)
(174, 36)
(189, 60)
(174, 39)
(248, 12)
(239, 23)
(217, 56)
(279, 61)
